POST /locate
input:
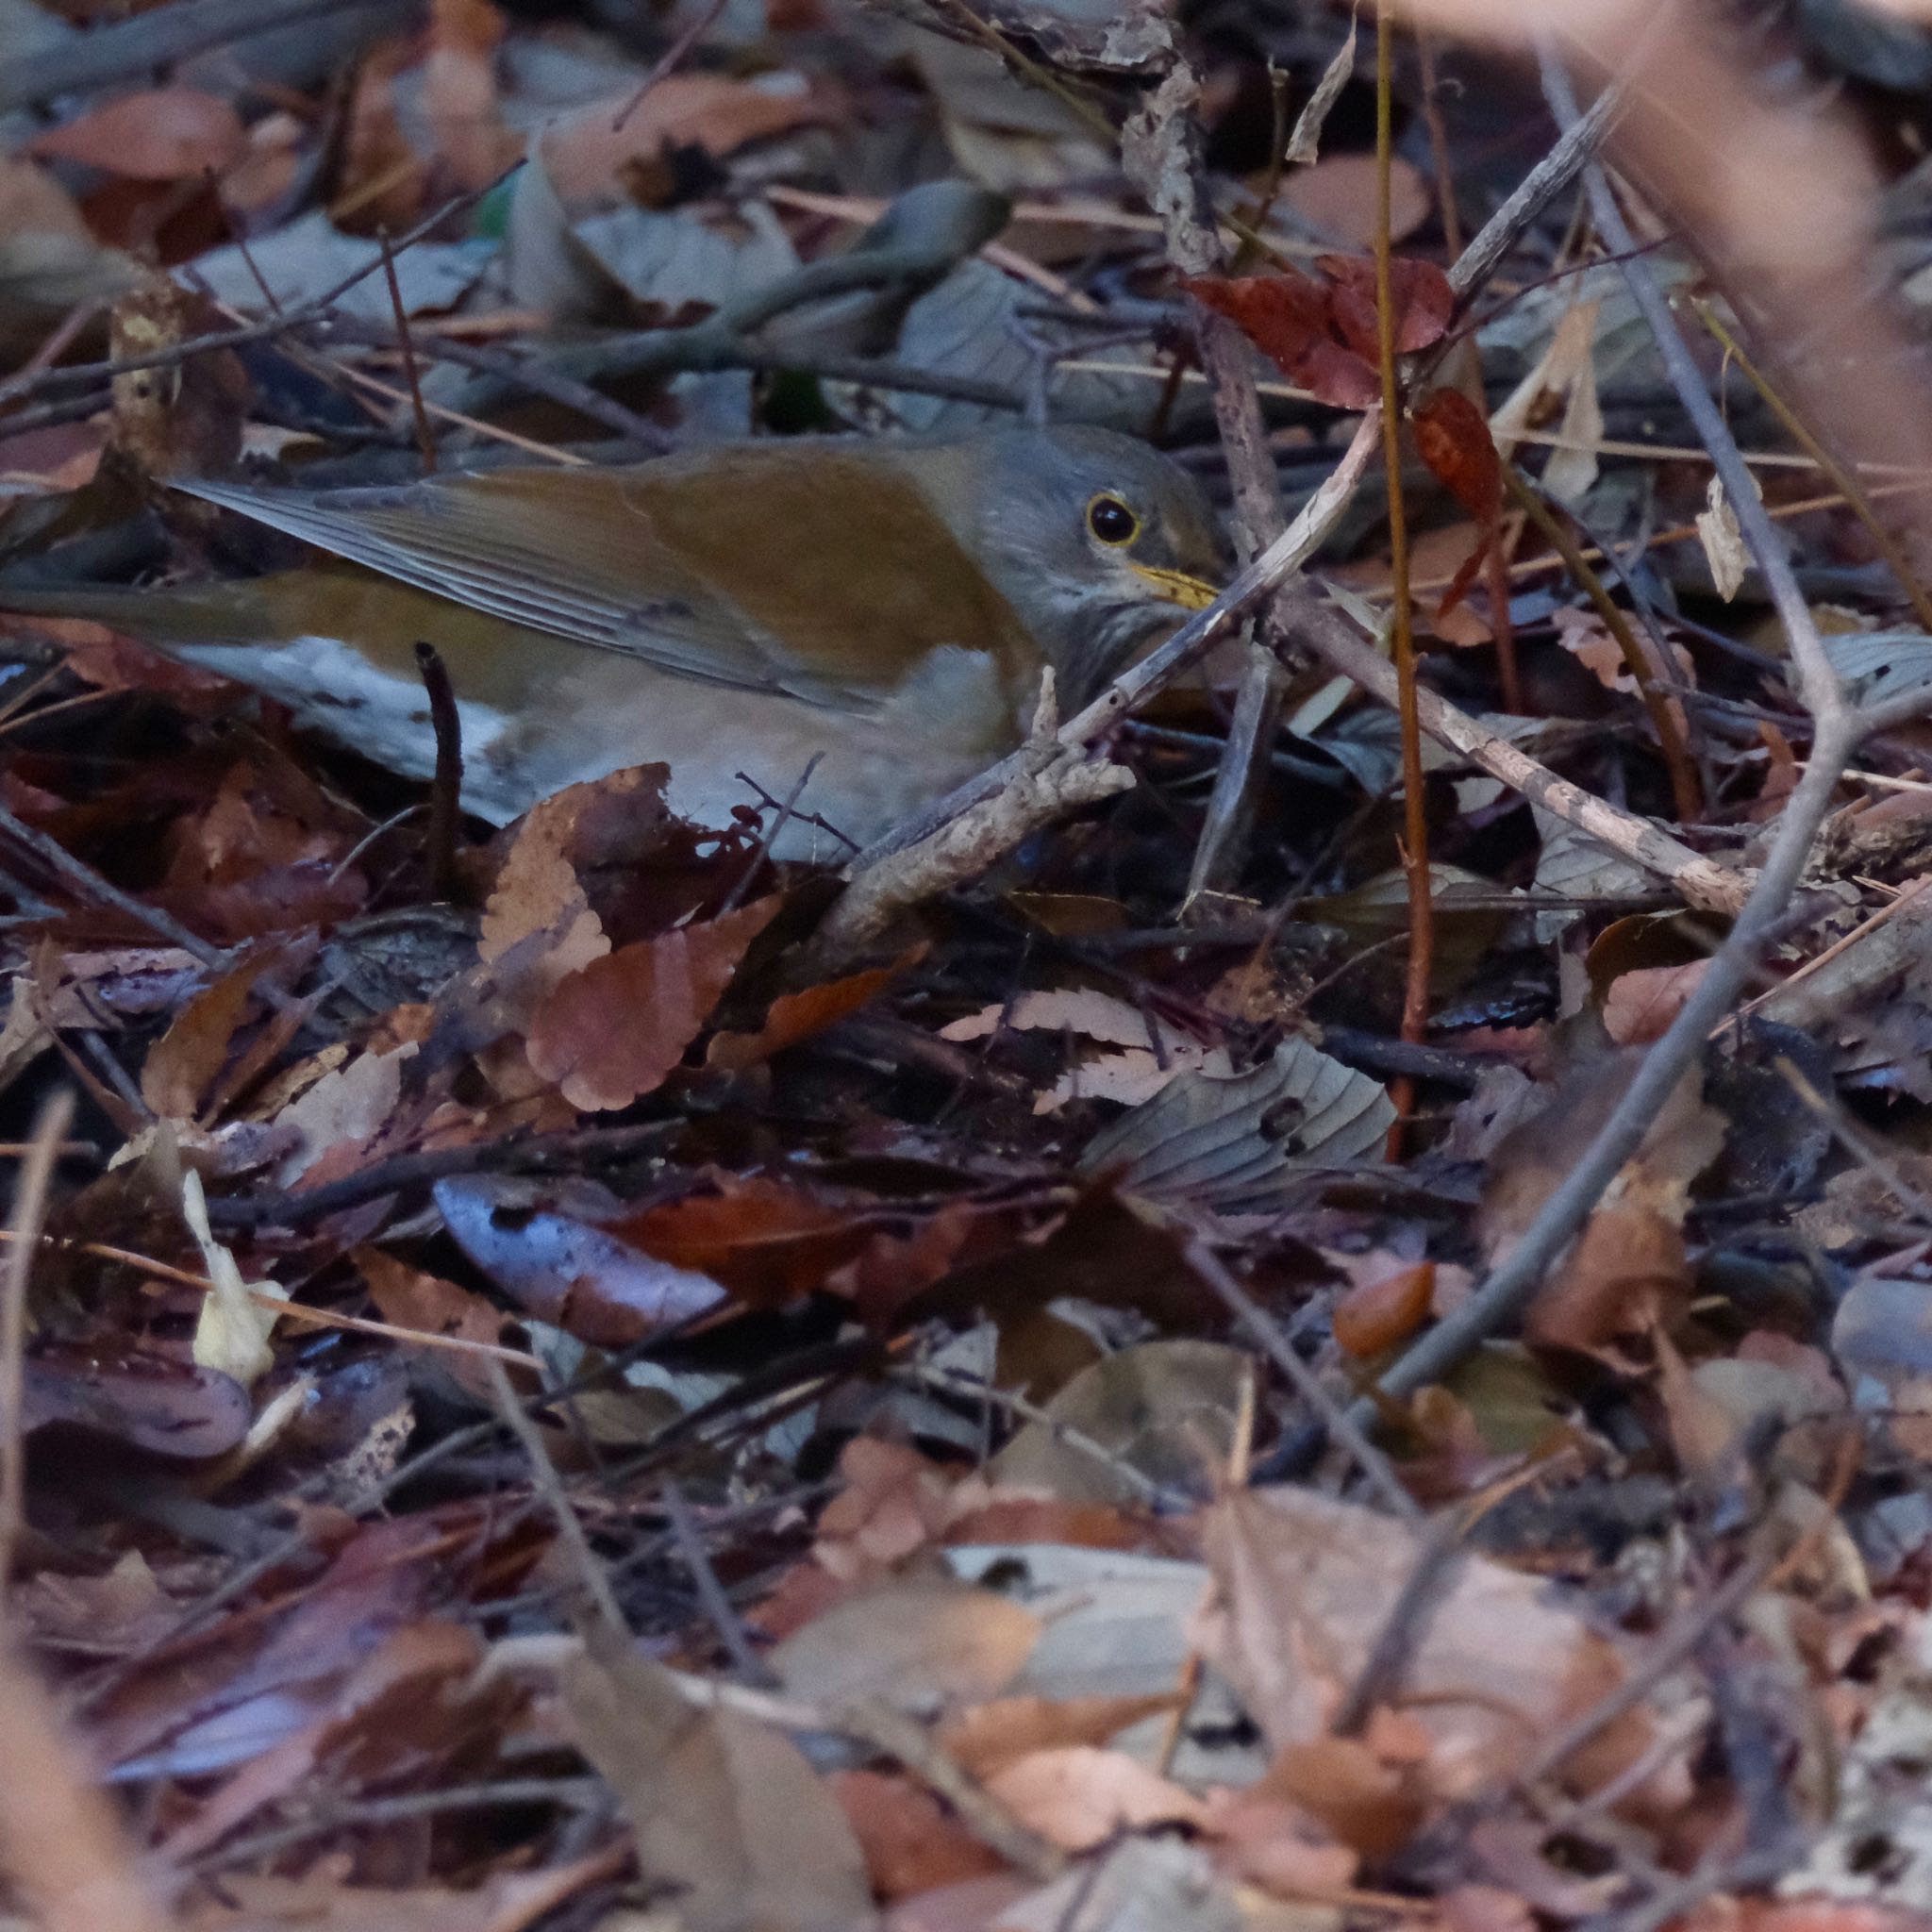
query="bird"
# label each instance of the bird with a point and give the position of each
(876, 611)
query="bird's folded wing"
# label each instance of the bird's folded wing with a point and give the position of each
(573, 553)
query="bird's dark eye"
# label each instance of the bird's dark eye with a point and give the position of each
(1111, 521)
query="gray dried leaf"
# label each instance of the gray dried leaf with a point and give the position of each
(1219, 1142)
(1877, 665)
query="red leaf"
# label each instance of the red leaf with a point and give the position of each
(1324, 336)
(1287, 317)
(1421, 292)
(612, 1030)
(796, 1016)
(165, 135)
(1452, 437)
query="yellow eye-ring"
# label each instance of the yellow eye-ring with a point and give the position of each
(1111, 521)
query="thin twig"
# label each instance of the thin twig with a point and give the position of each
(1367, 1458)
(30, 1210)
(669, 60)
(1497, 235)
(521, 372)
(1161, 666)
(1164, 154)
(1510, 1287)
(873, 1722)
(446, 786)
(725, 1620)
(550, 1487)
(298, 1206)
(577, 1793)
(1424, 1592)
(91, 374)
(1820, 683)
(1660, 1659)
(1415, 797)
(91, 884)
(1853, 490)
(1700, 881)
(1685, 793)
(425, 437)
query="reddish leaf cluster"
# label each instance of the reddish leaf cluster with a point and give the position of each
(1324, 333)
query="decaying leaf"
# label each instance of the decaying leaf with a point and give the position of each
(565, 1267)
(1162, 1415)
(1324, 333)
(1630, 1263)
(1240, 1138)
(724, 1811)
(1566, 370)
(1306, 1582)
(231, 1334)
(613, 1028)
(1151, 1052)
(794, 1017)
(1724, 548)
(923, 1645)
(163, 135)
(1452, 438)
(1079, 1797)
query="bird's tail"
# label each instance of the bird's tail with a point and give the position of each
(176, 617)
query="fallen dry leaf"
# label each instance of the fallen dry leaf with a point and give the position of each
(1641, 1004)
(912, 1843)
(724, 1810)
(166, 134)
(796, 1016)
(1079, 1797)
(1306, 1583)
(612, 1029)
(586, 152)
(923, 1644)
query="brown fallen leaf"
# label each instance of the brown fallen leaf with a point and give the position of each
(508, 1902)
(765, 1240)
(912, 1845)
(408, 1298)
(919, 1643)
(1324, 333)
(404, 1702)
(1161, 1414)
(1641, 1005)
(1306, 1582)
(612, 1029)
(992, 1736)
(165, 134)
(1078, 1796)
(796, 1016)
(1368, 1804)
(586, 152)
(724, 1810)
(183, 1062)
(1378, 1314)
(1628, 1265)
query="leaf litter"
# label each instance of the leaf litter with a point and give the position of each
(543, 1402)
